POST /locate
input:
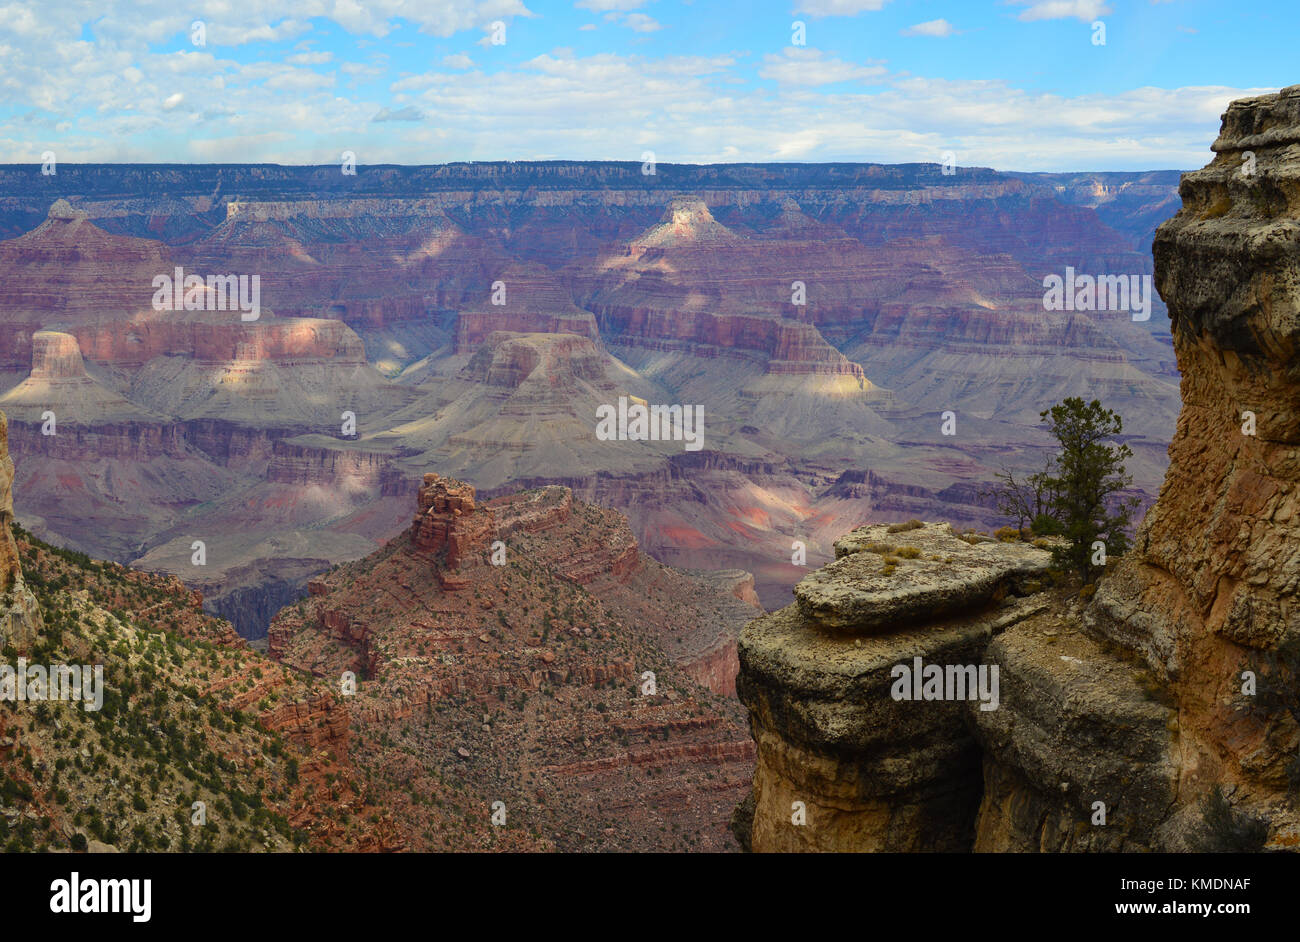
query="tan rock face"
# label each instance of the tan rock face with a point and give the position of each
(863, 592)
(1212, 582)
(20, 617)
(868, 770)
(56, 356)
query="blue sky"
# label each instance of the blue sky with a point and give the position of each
(1015, 84)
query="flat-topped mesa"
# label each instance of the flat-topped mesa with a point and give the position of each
(1210, 587)
(526, 298)
(507, 359)
(937, 574)
(451, 525)
(56, 356)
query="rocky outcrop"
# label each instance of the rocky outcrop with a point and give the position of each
(843, 763)
(868, 589)
(1159, 715)
(1081, 754)
(449, 524)
(1210, 588)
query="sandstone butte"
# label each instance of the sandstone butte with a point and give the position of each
(1134, 699)
(523, 649)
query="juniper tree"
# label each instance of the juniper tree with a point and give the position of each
(1084, 481)
(1027, 500)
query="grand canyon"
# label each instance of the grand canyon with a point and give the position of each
(567, 506)
(825, 318)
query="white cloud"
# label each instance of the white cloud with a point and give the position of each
(111, 99)
(223, 33)
(641, 23)
(298, 81)
(458, 61)
(1084, 10)
(409, 113)
(820, 8)
(587, 27)
(930, 28)
(796, 65)
(310, 58)
(144, 22)
(361, 69)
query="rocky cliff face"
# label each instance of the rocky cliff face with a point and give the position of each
(1161, 715)
(1210, 589)
(20, 615)
(449, 525)
(842, 765)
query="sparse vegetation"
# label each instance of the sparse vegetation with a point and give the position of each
(1077, 494)
(913, 524)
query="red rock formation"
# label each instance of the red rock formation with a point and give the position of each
(450, 524)
(533, 301)
(527, 680)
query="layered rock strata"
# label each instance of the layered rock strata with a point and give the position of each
(843, 764)
(451, 525)
(1210, 589)
(577, 680)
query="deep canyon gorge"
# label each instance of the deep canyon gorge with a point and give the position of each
(921, 297)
